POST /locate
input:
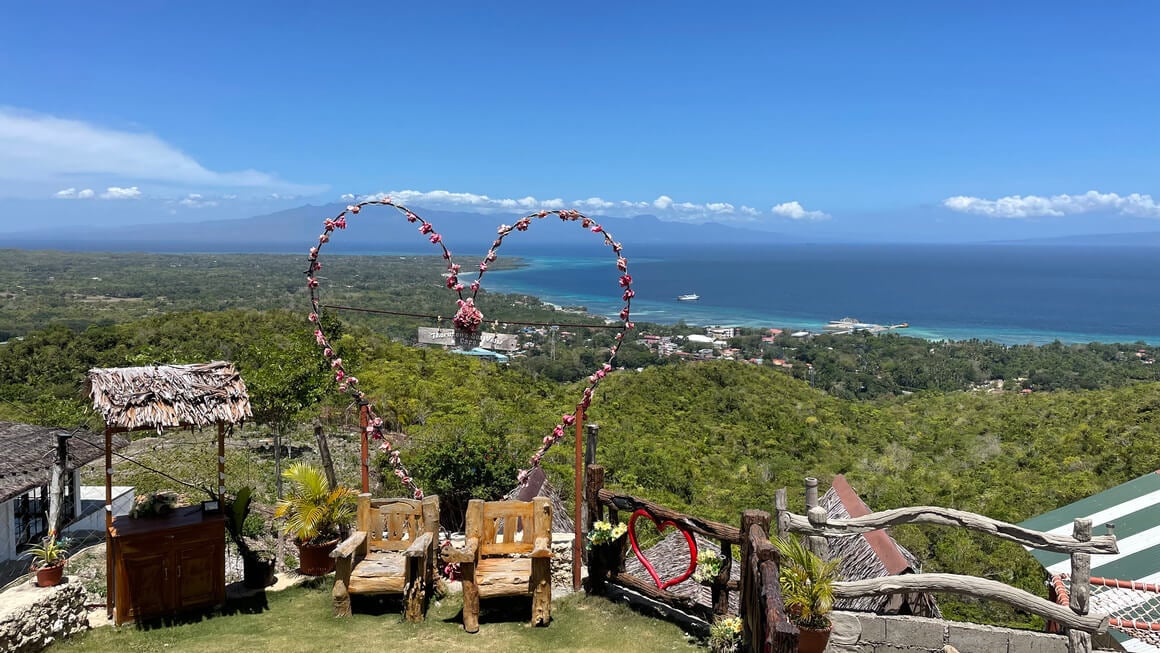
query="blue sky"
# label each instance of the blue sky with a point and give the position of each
(844, 115)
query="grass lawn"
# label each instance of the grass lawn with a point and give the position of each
(299, 619)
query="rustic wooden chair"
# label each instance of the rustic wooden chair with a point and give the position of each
(392, 552)
(507, 552)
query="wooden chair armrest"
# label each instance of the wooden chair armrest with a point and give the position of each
(348, 547)
(419, 547)
(467, 554)
(542, 548)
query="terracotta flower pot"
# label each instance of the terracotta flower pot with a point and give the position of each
(314, 559)
(49, 576)
(812, 640)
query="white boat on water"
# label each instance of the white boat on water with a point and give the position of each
(691, 297)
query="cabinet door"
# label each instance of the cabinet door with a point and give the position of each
(199, 574)
(148, 584)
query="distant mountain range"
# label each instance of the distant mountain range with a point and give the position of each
(374, 229)
(379, 229)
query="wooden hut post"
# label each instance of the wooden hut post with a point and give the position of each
(110, 577)
(1081, 573)
(221, 465)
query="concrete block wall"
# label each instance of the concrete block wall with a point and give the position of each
(868, 633)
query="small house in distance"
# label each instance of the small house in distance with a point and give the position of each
(25, 470)
(872, 555)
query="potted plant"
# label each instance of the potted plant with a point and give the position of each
(315, 515)
(257, 565)
(807, 588)
(48, 559)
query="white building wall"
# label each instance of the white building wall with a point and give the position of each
(7, 536)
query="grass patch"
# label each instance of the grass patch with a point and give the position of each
(299, 619)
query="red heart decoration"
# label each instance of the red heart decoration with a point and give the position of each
(661, 526)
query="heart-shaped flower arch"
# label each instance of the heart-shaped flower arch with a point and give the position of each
(467, 319)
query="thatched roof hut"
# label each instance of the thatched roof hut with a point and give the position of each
(670, 558)
(166, 396)
(29, 450)
(537, 485)
(872, 555)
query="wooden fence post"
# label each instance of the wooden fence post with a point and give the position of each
(781, 503)
(817, 516)
(1081, 573)
(750, 609)
(720, 587)
(594, 481)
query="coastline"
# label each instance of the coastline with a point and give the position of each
(668, 314)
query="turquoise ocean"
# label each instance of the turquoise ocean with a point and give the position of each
(1013, 294)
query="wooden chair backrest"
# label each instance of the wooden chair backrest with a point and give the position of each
(393, 524)
(507, 527)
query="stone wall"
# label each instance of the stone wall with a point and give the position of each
(33, 617)
(869, 633)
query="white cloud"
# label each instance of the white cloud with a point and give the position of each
(196, 201)
(44, 149)
(117, 193)
(347, 197)
(664, 206)
(74, 194)
(1033, 206)
(795, 211)
(111, 193)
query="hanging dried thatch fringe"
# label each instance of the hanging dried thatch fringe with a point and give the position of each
(164, 396)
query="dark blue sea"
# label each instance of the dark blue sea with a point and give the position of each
(1007, 293)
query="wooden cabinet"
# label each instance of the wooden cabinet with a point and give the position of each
(164, 566)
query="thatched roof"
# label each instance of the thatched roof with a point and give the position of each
(163, 396)
(537, 485)
(670, 558)
(29, 451)
(871, 555)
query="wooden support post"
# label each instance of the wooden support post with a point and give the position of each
(781, 503)
(415, 592)
(578, 502)
(324, 452)
(1081, 573)
(364, 455)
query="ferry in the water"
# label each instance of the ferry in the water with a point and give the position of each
(691, 297)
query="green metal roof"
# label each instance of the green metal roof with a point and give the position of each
(1134, 508)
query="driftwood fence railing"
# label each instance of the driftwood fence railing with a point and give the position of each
(607, 566)
(817, 526)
